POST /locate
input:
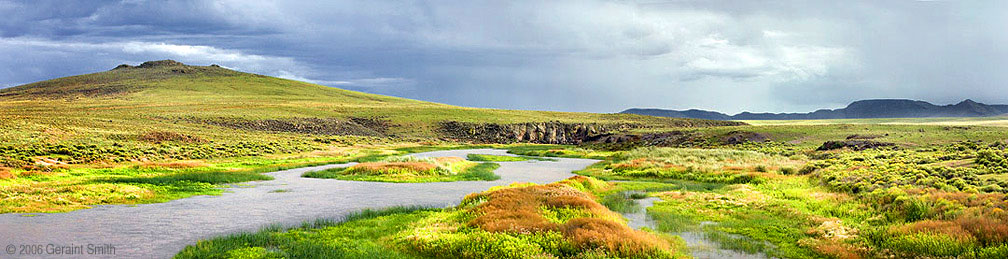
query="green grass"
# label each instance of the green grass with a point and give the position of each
(808, 137)
(495, 158)
(923, 202)
(700, 165)
(478, 172)
(499, 158)
(440, 233)
(557, 151)
(359, 235)
(58, 137)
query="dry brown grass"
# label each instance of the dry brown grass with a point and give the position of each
(839, 249)
(944, 227)
(5, 173)
(449, 159)
(60, 197)
(519, 210)
(966, 228)
(590, 233)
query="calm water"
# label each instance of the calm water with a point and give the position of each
(698, 244)
(162, 229)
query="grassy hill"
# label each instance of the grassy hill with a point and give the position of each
(170, 95)
(166, 109)
(165, 130)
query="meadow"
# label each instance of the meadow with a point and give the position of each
(558, 220)
(408, 169)
(895, 188)
(931, 197)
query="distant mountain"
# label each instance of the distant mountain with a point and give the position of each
(878, 108)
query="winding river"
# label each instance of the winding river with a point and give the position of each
(160, 230)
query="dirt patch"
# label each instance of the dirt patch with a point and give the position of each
(856, 145)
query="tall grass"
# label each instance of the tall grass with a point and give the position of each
(412, 169)
(357, 235)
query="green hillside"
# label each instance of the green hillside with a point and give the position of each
(170, 96)
(165, 130)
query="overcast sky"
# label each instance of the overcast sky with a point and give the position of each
(595, 56)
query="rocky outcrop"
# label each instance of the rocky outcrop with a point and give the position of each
(161, 63)
(532, 132)
(856, 145)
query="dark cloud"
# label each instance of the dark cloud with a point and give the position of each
(600, 56)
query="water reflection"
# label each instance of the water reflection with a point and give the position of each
(699, 245)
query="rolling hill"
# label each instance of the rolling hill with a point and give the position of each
(215, 104)
(864, 109)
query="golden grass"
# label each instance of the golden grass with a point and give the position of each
(391, 167)
(708, 160)
(965, 228)
(49, 197)
(6, 173)
(838, 249)
(519, 210)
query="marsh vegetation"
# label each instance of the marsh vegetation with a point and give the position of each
(412, 169)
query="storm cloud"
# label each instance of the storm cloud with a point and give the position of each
(597, 56)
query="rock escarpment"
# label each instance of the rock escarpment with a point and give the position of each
(532, 132)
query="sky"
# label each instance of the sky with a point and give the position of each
(590, 56)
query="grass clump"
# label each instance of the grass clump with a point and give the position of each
(701, 165)
(358, 235)
(555, 220)
(499, 158)
(559, 220)
(412, 169)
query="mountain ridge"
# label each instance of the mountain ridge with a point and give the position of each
(861, 109)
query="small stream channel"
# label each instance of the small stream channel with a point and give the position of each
(699, 246)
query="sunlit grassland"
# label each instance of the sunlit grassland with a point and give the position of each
(559, 220)
(809, 137)
(61, 188)
(76, 187)
(155, 100)
(789, 218)
(60, 138)
(874, 203)
(701, 165)
(412, 170)
(359, 235)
